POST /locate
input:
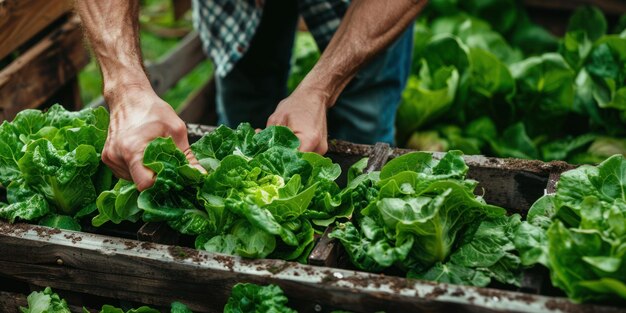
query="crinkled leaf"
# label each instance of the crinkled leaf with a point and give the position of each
(45, 301)
(247, 298)
(63, 178)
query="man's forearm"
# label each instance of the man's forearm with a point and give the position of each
(112, 27)
(368, 27)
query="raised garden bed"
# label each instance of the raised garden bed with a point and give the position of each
(115, 265)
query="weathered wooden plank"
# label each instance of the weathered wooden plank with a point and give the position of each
(515, 190)
(325, 252)
(22, 19)
(68, 96)
(170, 68)
(196, 131)
(608, 6)
(10, 301)
(200, 106)
(158, 232)
(378, 157)
(158, 274)
(38, 73)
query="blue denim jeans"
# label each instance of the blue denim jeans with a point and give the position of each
(364, 112)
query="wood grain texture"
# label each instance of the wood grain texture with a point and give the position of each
(11, 302)
(22, 19)
(38, 73)
(325, 252)
(157, 275)
(158, 232)
(170, 68)
(200, 106)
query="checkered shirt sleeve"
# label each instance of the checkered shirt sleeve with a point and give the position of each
(226, 28)
(322, 18)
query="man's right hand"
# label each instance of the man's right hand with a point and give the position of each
(138, 116)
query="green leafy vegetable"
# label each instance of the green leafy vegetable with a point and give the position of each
(579, 232)
(526, 86)
(260, 197)
(45, 301)
(425, 220)
(249, 298)
(50, 165)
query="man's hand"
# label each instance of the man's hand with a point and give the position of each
(305, 114)
(368, 27)
(138, 116)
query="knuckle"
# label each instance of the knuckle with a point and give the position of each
(124, 145)
(179, 127)
(107, 157)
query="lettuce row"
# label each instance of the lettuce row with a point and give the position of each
(579, 232)
(50, 165)
(259, 198)
(423, 218)
(498, 85)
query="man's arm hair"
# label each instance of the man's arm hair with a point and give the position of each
(368, 27)
(112, 27)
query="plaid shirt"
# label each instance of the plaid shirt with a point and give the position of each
(226, 27)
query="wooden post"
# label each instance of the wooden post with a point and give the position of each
(157, 274)
(39, 72)
(20, 20)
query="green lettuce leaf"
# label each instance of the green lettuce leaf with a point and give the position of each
(45, 301)
(426, 221)
(249, 298)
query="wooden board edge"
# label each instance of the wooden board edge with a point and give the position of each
(38, 246)
(59, 55)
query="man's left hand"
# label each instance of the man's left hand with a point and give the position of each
(305, 114)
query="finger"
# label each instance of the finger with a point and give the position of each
(257, 130)
(179, 135)
(193, 161)
(307, 144)
(120, 173)
(142, 176)
(276, 120)
(182, 142)
(118, 170)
